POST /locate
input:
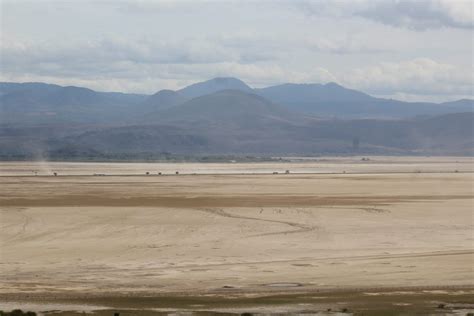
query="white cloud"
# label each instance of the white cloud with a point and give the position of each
(412, 14)
(149, 78)
(421, 14)
(347, 45)
(115, 49)
(420, 76)
(146, 66)
(145, 45)
(245, 56)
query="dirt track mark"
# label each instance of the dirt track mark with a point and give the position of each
(25, 220)
(300, 228)
(308, 260)
(374, 210)
(243, 200)
(305, 260)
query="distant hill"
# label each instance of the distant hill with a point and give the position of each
(133, 139)
(165, 99)
(460, 103)
(214, 85)
(304, 93)
(440, 135)
(38, 103)
(334, 100)
(161, 100)
(225, 116)
(229, 106)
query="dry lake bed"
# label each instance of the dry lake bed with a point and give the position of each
(335, 236)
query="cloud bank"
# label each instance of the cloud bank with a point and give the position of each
(412, 14)
(418, 49)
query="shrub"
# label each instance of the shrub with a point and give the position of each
(17, 312)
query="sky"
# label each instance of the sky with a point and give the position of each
(414, 50)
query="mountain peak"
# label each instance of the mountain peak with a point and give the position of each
(308, 94)
(165, 92)
(228, 106)
(163, 99)
(225, 80)
(214, 85)
(333, 85)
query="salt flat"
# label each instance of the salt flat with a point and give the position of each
(235, 234)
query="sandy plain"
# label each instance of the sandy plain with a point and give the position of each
(299, 241)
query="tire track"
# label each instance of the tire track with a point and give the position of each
(298, 228)
(25, 221)
(322, 259)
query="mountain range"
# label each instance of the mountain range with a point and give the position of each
(226, 116)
